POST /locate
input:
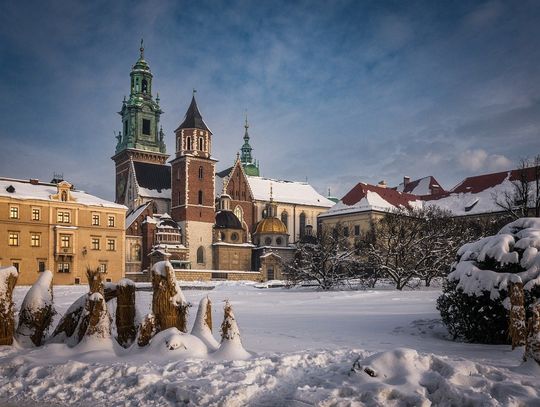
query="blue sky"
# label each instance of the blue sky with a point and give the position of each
(336, 91)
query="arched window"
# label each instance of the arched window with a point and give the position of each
(144, 86)
(201, 144)
(189, 144)
(285, 219)
(201, 172)
(200, 197)
(239, 213)
(200, 255)
(302, 225)
(137, 252)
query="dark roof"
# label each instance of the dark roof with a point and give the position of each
(227, 220)
(411, 187)
(390, 195)
(193, 119)
(224, 173)
(153, 176)
(481, 182)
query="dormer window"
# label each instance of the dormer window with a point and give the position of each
(10, 189)
(64, 196)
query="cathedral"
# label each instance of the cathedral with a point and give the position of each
(228, 224)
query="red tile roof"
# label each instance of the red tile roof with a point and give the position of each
(480, 183)
(391, 196)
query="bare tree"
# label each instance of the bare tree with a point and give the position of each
(328, 261)
(525, 194)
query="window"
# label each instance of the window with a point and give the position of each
(111, 221)
(270, 273)
(125, 128)
(201, 172)
(285, 218)
(35, 240)
(302, 224)
(201, 144)
(63, 216)
(357, 230)
(13, 238)
(200, 255)
(14, 212)
(239, 213)
(189, 144)
(234, 236)
(95, 219)
(16, 265)
(36, 214)
(65, 241)
(63, 196)
(111, 244)
(279, 241)
(102, 268)
(268, 241)
(144, 86)
(41, 266)
(346, 231)
(77, 280)
(63, 267)
(200, 197)
(95, 243)
(146, 127)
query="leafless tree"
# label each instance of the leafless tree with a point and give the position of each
(524, 197)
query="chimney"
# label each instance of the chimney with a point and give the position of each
(382, 184)
(406, 180)
(34, 181)
(435, 189)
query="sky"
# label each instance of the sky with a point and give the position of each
(337, 92)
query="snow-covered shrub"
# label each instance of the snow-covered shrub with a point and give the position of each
(475, 303)
(37, 311)
(8, 279)
(231, 343)
(532, 348)
(168, 303)
(125, 312)
(202, 328)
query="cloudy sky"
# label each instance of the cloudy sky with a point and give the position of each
(336, 91)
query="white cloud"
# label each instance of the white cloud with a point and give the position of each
(479, 159)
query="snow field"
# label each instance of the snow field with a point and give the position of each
(305, 344)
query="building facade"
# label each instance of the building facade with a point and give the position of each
(47, 226)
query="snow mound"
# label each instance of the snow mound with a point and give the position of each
(201, 328)
(176, 345)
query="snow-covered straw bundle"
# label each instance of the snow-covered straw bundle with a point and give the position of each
(231, 344)
(168, 303)
(8, 279)
(95, 281)
(517, 324)
(96, 321)
(532, 348)
(475, 303)
(147, 330)
(202, 328)
(125, 312)
(37, 311)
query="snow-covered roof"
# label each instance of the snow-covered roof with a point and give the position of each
(44, 191)
(365, 198)
(286, 192)
(134, 214)
(421, 187)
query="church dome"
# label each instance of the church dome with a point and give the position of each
(227, 220)
(271, 225)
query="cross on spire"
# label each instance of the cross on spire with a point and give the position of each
(142, 49)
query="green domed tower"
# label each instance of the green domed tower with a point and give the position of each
(251, 167)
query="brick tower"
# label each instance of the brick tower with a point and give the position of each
(193, 194)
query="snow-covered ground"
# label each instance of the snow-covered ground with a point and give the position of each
(304, 343)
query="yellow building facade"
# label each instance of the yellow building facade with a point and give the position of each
(55, 227)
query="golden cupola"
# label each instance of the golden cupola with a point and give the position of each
(271, 226)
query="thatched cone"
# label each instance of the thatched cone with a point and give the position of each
(96, 321)
(8, 279)
(517, 325)
(229, 327)
(125, 312)
(95, 281)
(202, 328)
(37, 311)
(147, 330)
(168, 303)
(532, 346)
(70, 321)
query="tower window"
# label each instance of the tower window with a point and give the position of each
(189, 144)
(302, 225)
(201, 144)
(200, 255)
(200, 197)
(144, 86)
(125, 128)
(201, 172)
(146, 127)
(285, 218)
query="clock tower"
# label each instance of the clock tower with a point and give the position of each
(141, 138)
(192, 179)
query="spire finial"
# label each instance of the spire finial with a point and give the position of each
(246, 125)
(194, 91)
(271, 194)
(142, 49)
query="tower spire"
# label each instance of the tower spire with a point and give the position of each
(142, 48)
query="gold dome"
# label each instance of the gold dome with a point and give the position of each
(271, 225)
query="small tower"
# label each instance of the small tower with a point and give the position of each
(193, 194)
(141, 138)
(246, 158)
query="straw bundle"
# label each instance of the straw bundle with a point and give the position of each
(147, 330)
(125, 312)
(95, 281)
(532, 347)
(8, 279)
(517, 329)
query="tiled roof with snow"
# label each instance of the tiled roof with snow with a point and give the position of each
(421, 187)
(365, 197)
(287, 192)
(154, 180)
(43, 191)
(134, 214)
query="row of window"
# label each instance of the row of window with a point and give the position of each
(201, 172)
(65, 241)
(62, 216)
(346, 231)
(62, 267)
